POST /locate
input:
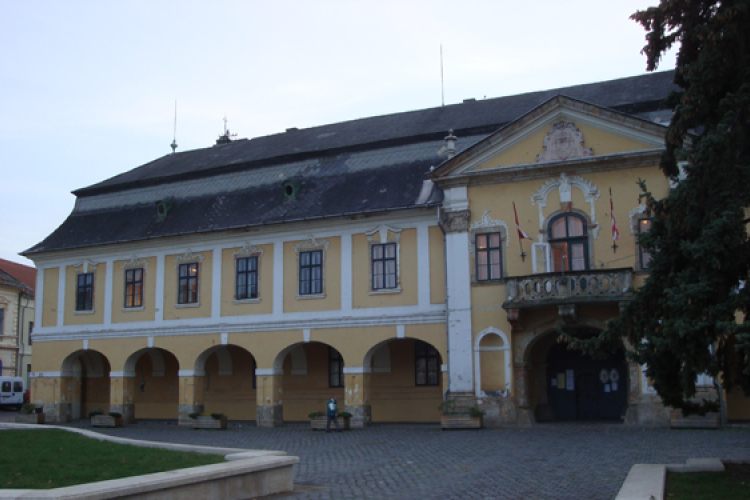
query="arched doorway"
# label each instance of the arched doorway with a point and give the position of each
(85, 374)
(579, 387)
(406, 383)
(228, 373)
(157, 381)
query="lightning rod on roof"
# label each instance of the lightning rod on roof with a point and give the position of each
(174, 136)
(442, 87)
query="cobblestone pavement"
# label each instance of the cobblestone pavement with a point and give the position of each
(411, 461)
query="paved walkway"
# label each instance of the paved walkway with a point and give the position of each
(549, 461)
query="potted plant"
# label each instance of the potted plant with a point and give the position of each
(453, 418)
(99, 419)
(30, 415)
(199, 420)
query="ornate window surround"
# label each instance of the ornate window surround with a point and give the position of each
(382, 232)
(247, 250)
(313, 244)
(188, 258)
(135, 262)
(487, 224)
(564, 185)
(84, 267)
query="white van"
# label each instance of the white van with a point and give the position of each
(11, 391)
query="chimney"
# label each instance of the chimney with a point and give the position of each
(450, 144)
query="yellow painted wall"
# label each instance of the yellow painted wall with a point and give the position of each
(117, 351)
(601, 143)
(353, 343)
(186, 349)
(265, 346)
(73, 317)
(49, 356)
(264, 305)
(171, 308)
(120, 314)
(160, 398)
(233, 395)
(499, 198)
(492, 364)
(362, 294)
(304, 394)
(331, 279)
(395, 397)
(437, 266)
(49, 296)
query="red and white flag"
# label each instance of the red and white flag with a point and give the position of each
(615, 232)
(521, 234)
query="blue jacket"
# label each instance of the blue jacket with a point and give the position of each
(333, 408)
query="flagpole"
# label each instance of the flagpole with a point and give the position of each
(615, 231)
(520, 236)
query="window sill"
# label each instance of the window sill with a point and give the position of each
(311, 296)
(132, 309)
(500, 281)
(254, 300)
(385, 291)
(192, 304)
(83, 313)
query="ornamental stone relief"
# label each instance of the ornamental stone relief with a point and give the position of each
(564, 186)
(563, 142)
(454, 222)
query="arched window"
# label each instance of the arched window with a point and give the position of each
(569, 244)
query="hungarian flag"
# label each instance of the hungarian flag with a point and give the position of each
(615, 232)
(521, 234)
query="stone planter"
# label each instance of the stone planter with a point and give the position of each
(106, 421)
(204, 422)
(708, 421)
(319, 423)
(460, 422)
(30, 418)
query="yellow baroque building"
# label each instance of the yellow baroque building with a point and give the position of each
(375, 260)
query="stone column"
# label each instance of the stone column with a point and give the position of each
(357, 391)
(192, 388)
(52, 394)
(525, 412)
(269, 393)
(122, 396)
(458, 283)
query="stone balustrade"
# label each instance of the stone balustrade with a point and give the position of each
(593, 285)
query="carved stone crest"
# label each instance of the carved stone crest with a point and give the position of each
(453, 222)
(563, 142)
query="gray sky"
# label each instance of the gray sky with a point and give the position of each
(88, 88)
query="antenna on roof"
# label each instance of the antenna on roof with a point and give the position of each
(174, 137)
(226, 138)
(442, 87)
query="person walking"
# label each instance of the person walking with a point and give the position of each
(333, 409)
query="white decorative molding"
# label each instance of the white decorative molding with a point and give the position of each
(487, 222)
(311, 244)
(564, 185)
(150, 341)
(353, 370)
(478, 349)
(248, 250)
(188, 256)
(224, 338)
(635, 215)
(306, 335)
(563, 142)
(86, 345)
(400, 331)
(266, 372)
(85, 265)
(135, 261)
(383, 231)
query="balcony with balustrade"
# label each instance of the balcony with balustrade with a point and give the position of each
(566, 290)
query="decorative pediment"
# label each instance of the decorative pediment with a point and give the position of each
(311, 244)
(188, 256)
(488, 223)
(135, 262)
(86, 266)
(563, 142)
(383, 231)
(564, 186)
(248, 250)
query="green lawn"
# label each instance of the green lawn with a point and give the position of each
(734, 483)
(41, 459)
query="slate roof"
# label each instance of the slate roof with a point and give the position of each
(361, 166)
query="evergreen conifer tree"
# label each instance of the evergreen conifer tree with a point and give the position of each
(691, 315)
